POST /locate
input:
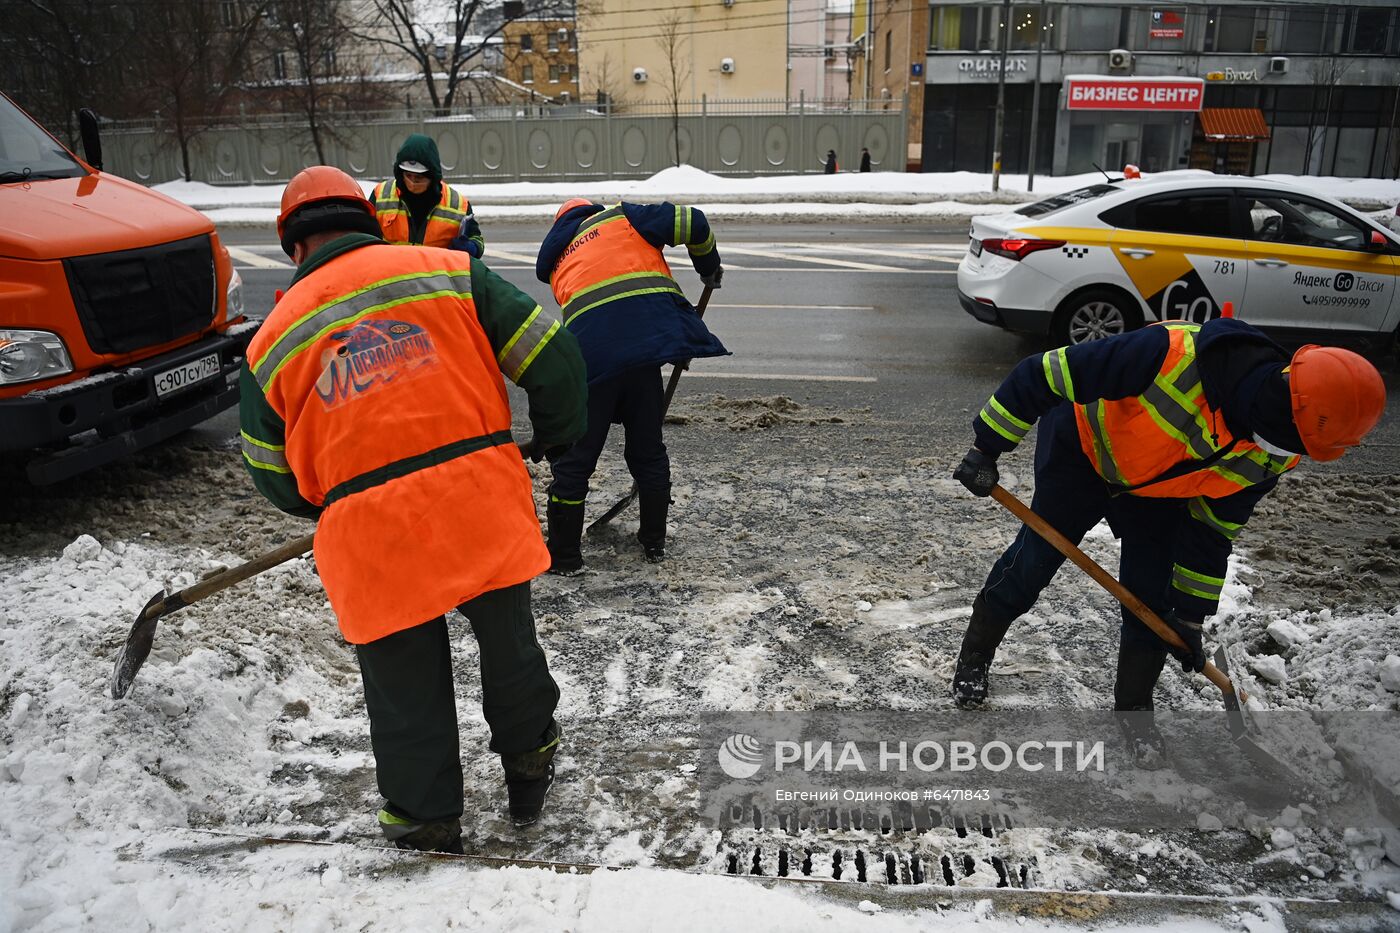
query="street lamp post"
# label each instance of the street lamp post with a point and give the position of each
(1000, 129)
(1035, 101)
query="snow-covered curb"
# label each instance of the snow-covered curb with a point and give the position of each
(853, 197)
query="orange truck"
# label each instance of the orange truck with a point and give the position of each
(121, 316)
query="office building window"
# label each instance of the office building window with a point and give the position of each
(553, 35)
(1308, 29)
(527, 74)
(1368, 32)
(1230, 28)
(553, 74)
(527, 42)
(1093, 29)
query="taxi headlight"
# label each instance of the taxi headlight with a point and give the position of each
(26, 355)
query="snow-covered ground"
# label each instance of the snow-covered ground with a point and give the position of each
(852, 196)
(836, 579)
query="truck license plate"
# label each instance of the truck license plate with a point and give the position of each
(187, 374)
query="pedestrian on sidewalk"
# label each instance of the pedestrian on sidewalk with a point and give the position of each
(831, 167)
(373, 401)
(864, 159)
(610, 277)
(1174, 433)
(416, 207)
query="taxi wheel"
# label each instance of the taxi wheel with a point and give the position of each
(1092, 314)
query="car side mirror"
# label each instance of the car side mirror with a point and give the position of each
(92, 142)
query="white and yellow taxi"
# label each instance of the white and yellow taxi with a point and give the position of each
(1111, 257)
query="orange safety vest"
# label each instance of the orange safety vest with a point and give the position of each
(607, 260)
(443, 223)
(1135, 440)
(398, 423)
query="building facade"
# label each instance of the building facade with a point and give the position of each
(1240, 87)
(819, 50)
(542, 54)
(892, 40)
(720, 50)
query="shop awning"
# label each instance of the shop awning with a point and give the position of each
(1233, 123)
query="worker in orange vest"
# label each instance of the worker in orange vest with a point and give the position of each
(373, 400)
(1173, 433)
(617, 295)
(416, 207)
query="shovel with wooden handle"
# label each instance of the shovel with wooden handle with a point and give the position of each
(143, 631)
(676, 370)
(1233, 696)
(1106, 580)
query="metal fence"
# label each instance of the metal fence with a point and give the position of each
(577, 142)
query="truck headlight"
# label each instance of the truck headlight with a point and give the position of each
(234, 306)
(26, 355)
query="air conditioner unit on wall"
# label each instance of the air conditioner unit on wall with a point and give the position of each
(1120, 60)
(639, 75)
(1278, 66)
(728, 2)
(726, 66)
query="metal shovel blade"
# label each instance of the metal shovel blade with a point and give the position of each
(137, 648)
(1239, 729)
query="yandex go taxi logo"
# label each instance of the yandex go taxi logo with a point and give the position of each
(1096, 92)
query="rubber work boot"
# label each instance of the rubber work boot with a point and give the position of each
(565, 520)
(529, 776)
(654, 505)
(1139, 666)
(432, 836)
(979, 646)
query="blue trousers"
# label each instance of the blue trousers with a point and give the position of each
(1073, 498)
(634, 400)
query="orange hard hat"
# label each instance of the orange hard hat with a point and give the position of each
(317, 185)
(570, 205)
(1338, 397)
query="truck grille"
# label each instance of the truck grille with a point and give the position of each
(144, 297)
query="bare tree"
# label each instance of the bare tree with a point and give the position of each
(446, 39)
(319, 36)
(194, 56)
(1327, 72)
(605, 83)
(675, 50)
(58, 56)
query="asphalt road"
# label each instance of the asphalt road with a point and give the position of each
(839, 317)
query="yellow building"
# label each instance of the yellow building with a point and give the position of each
(719, 49)
(542, 54)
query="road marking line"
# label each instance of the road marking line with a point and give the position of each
(871, 251)
(803, 307)
(843, 263)
(252, 259)
(889, 270)
(517, 257)
(780, 377)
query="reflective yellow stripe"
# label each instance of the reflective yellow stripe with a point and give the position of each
(554, 498)
(703, 249)
(1197, 584)
(1056, 364)
(995, 415)
(1201, 511)
(262, 455)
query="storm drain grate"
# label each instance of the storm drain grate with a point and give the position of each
(895, 867)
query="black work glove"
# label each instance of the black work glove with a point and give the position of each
(1193, 657)
(536, 450)
(713, 279)
(978, 472)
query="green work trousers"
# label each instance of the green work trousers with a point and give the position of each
(412, 703)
